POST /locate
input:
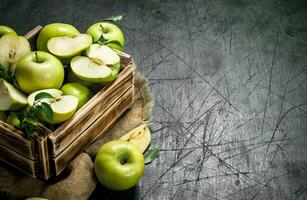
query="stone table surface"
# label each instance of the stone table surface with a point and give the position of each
(230, 82)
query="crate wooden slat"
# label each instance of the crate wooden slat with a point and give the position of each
(15, 140)
(70, 130)
(17, 160)
(45, 155)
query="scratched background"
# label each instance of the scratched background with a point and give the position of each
(230, 82)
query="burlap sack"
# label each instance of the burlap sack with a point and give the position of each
(78, 181)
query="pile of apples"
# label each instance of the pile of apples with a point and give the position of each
(68, 65)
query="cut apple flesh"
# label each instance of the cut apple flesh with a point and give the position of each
(63, 107)
(65, 46)
(103, 53)
(102, 64)
(12, 48)
(140, 136)
(89, 70)
(10, 97)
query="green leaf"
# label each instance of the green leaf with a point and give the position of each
(47, 110)
(115, 42)
(101, 40)
(115, 18)
(42, 95)
(8, 75)
(150, 155)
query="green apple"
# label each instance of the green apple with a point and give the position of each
(63, 106)
(13, 120)
(54, 30)
(101, 66)
(69, 46)
(80, 91)
(12, 48)
(109, 31)
(6, 30)
(39, 70)
(119, 165)
(11, 98)
(2, 116)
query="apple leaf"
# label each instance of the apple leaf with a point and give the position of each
(7, 74)
(47, 110)
(42, 95)
(115, 18)
(150, 155)
(102, 40)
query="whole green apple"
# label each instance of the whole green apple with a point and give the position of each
(119, 165)
(54, 30)
(109, 31)
(79, 91)
(6, 30)
(38, 70)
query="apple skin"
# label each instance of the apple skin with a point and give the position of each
(110, 170)
(109, 31)
(32, 75)
(13, 121)
(77, 90)
(54, 30)
(6, 30)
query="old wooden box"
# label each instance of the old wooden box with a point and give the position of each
(47, 154)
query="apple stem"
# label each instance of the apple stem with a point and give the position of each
(36, 56)
(103, 30)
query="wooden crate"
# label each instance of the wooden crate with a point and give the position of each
(47, 154)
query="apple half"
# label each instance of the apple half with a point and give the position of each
(140, 136)
(69, 46)
(101, 66)
(12, 48)
(11, 98)
(63, 106)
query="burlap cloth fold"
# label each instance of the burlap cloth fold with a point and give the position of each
(78, 181)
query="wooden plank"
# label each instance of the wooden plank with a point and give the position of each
(14, 139)
(32, 36)
(94, 131)
(16, 160)
(42, 165)
(70, 130)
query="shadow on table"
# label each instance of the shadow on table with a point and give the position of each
(106, 194)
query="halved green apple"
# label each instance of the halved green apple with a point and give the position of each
(63, 106)
(67, 47)
(11, 98)
(101, 66)
(12, 48)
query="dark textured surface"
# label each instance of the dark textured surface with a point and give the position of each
(230, 82)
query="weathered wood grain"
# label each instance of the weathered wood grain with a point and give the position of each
(17, 160)
(15, 140)
(42, 161)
